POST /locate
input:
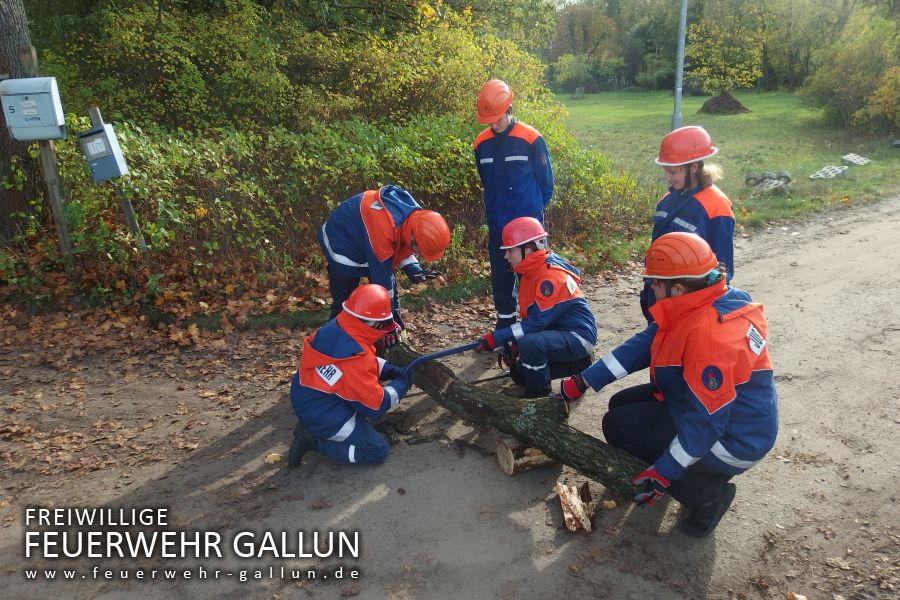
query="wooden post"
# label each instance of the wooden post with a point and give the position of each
(124, 201)
(49, 166)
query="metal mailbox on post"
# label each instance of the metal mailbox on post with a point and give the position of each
(104, 157)
(33, 109)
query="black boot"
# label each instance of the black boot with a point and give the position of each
(302, 443)
(703, 519)
(536, 392)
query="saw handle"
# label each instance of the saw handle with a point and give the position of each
(440, 354)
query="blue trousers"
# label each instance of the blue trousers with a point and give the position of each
(503, 281)
(642, 426)
(537, 350)
(364, 446)
(340, 287)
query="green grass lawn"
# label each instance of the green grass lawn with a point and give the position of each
(779, 133)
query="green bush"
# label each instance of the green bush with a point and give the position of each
(852, 81)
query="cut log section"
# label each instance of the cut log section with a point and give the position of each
(514, 457)
(575, 503)
(538, 423)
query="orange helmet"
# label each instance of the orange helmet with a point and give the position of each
(679, 255)
(370, 302)
(523, 230)
(430, 232)
(685, 145)
(493, 100)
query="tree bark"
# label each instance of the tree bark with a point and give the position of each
(14, 35)
(538, 423)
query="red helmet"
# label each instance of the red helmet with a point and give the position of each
(523, 230)
(679, 255)
(685, 145)
(493, 100)
(430, 232)
(370, 302)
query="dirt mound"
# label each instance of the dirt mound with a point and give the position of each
(723, 104)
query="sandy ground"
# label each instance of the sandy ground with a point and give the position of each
(136, 424)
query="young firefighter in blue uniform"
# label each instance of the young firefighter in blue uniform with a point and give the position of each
(693, 203)
(336, 388)
(711, 411)
(372, 234)
(514, 165)
(557, 331)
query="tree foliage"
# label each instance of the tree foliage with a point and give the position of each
(723, 50)
(856, 76)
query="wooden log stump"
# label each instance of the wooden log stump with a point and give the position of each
(514, 457)
(576, 506)
(539, 423)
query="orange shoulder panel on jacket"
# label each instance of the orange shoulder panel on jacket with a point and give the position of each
(379, 225)
(484, 135)
(354, 378)
(715, 202)
(557, 285)
(526, 132)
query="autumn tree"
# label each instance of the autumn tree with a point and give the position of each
(15, 164)
(723, 52)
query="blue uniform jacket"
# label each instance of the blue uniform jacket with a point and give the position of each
(348, 244)
(709, 359)
(515, 172)
(338, 379)
(705, 212)
(550, 299)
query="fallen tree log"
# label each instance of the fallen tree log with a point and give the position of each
(539, 423)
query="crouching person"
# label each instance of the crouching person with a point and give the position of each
(557, 331)
(711, 411)
(336, 389)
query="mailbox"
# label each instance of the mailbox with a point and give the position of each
(104, 157)
(33, 109)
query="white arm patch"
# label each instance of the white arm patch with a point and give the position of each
(571, 285)
(329, 374)
(756, 340)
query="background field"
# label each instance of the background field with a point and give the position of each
(779, 133)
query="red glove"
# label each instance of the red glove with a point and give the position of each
(391, 336)
(654, 486)
(572, 388)
(486, 343)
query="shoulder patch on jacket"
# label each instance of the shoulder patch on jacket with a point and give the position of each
(377, 205)
(756, 340)
(546, 288)
(330, 374)
(712, 384)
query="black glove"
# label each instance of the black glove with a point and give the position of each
(391, 337)
(508, 356)
(653, 486)
(389, 371)
(423, 275)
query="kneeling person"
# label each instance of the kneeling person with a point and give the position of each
(711, 410)
(337, 385)
(557, 331)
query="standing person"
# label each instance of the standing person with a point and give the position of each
(711, 409)
(373, 233)
(693, 203)
(557, 331)
(336, 387)
(514, 165)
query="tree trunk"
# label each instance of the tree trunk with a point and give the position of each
(13, 155)
(538, 423)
